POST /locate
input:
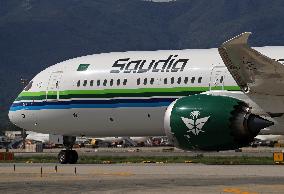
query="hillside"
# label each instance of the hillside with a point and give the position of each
(35, 34)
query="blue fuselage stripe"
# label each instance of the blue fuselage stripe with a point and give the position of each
(110, 103)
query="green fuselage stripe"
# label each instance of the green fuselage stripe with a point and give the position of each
(111, 93)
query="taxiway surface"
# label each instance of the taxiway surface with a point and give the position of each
(142, 178)
(154, 151)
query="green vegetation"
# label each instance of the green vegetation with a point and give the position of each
(152, 159)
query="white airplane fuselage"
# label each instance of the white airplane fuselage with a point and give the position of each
(121, 94)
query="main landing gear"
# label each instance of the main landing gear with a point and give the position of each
(68, 156)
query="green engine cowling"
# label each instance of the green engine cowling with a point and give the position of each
(208, 122)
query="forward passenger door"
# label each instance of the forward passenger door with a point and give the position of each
(52, 90)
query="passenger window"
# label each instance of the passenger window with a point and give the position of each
(200, 79)
(98, 82)
(166, 81)
(152, 81)
(172, 80)
(111, 82)
(124, 81)
(145, 81)
(105, 82)
(92, 83)
(138, 81)
(78, 83)
(186, 80)
(85, 83)
(192, 80)
(221, 79)
(118, 82)
(179, 80)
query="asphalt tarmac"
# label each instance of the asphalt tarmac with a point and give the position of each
(142, 178)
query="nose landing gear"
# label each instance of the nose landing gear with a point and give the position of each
(68, 156)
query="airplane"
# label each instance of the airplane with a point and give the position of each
(44, 138)
(207, 99)
(270, 137)
(132, 141)
(268, 140)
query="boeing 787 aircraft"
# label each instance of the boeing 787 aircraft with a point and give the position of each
(206, 99)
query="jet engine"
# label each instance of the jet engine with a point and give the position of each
(208, 122)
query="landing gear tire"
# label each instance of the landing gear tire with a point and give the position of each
(63, 157)
(68, 157)
(73, 157)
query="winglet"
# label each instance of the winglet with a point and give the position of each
(254, 72)
(240, 39)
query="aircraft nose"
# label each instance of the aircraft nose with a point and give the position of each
(21, 116)
(12, 114)
(17, 114)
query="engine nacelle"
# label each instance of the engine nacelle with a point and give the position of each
(211, 123)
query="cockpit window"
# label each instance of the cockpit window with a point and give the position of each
(29, 86)
(83, 67)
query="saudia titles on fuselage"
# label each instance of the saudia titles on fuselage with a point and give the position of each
(171, 64)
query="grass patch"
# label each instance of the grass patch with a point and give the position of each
(212, 160)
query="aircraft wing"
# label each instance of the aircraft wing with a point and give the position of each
(259, 76)
(253, 71)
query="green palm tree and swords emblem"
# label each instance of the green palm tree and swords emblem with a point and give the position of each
(194, 123)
